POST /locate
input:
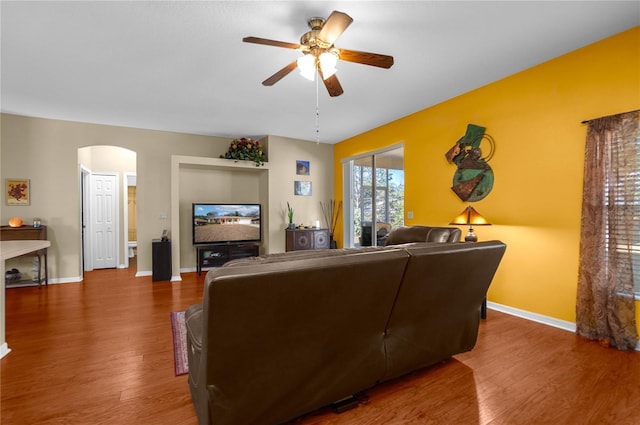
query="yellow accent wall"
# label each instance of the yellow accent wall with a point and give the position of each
(535, 118)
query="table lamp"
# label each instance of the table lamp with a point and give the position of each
(470, 217)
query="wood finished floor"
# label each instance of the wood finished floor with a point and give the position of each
(100, 352)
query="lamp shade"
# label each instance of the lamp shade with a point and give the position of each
(307, 66)
(328, 61)
(470, 217)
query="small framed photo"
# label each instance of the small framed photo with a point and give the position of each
(17, 191)
(302, 168)
(302, 188)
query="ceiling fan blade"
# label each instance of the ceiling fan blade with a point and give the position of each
(332, 84)
(334, 26)
(280, 74)
(366, 58)
(266, 41)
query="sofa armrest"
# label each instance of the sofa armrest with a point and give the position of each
(194, 321)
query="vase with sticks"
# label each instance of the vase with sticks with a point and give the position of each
(331, 214)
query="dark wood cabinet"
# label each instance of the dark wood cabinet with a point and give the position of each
(303, 239)
(27, 233)
(217, 255)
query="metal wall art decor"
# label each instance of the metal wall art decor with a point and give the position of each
(473, 180)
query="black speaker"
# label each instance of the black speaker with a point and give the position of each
(161, 259)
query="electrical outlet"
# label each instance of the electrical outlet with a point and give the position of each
(410, 215)
(163, 216)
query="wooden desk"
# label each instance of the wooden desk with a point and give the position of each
(12, 249)
(8, 233)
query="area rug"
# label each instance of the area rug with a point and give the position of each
(179, 329)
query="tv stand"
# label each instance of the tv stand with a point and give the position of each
(218, 254)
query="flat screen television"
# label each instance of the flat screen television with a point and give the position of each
(226, 223)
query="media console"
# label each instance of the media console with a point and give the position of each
(218, 254)
(303, 239)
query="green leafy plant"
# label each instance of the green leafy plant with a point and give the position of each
(290, 213)
(246, 149)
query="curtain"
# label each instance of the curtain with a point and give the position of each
(605, 306)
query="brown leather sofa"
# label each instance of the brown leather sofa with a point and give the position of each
(285, 334)
(405, 234)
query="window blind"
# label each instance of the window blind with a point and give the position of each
(621, 212)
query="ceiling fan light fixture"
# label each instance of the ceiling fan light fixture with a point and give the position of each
(320, 40)
(307, 66)
(328, 61)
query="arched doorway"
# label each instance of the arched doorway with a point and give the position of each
(114, 168)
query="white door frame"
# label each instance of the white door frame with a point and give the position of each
(129, 179)
(86, 253)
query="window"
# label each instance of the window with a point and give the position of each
(373, 196)
(610, 232)
(622, 204)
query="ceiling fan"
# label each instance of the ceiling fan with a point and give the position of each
(320, 54)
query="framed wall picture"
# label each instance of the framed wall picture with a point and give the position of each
(302, 188)
(17, 191)
(302, 168)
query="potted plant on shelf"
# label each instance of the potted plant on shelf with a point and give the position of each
(290, 216)
(246, 149)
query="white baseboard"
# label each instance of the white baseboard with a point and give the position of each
(144, 273)
(4, 350)
(66, 280)
(191, 269)
(535, 317)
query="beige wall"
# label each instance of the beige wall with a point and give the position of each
(46, 151)
(206, 184)
(282, 174)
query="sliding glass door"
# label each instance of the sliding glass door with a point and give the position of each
(374, 196)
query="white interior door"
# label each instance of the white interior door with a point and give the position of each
(104, 226)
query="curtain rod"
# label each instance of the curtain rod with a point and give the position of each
(606, 116)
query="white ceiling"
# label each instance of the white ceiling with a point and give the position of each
(182, 66)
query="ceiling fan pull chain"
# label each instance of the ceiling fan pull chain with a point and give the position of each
(317, 111)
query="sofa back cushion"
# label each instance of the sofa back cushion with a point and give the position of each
(405, 234)
(437, 311)
(311, 327)
(297, 255)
